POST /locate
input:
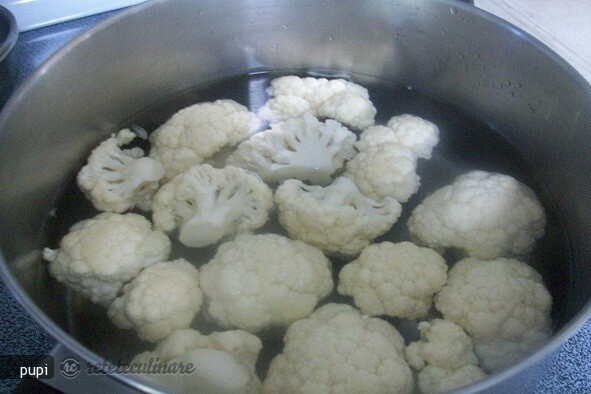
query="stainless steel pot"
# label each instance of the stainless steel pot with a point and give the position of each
(448, 49)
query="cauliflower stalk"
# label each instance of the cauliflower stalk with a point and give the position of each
(502, 304)
(163, 298)
(444, 357)
(197, 132)
(339, 350)
(258, 281)
(116, 179)
(337, 219)
(487, 215)
(207, 204)
(301, 148)
(337, 99)
(398, 280)
(223, 362)
(99, 255)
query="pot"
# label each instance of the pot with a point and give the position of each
(447, 50)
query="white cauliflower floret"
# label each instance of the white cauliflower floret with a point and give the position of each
(116, 179)
(163, 298)
(385, 170)
(337, 219)
(223, 362)
(196, 133)
(441, 380)
(302, 148)
(415, 133)
(99, 255)
(486, 214)
(207, 204)
(282, 108)
(444, 357)
(502, 304)
(337, 99)
(258, 281)
(339, 350)
(394, 279)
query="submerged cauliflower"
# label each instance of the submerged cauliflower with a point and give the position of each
(302, 148)
(486, 214)
(163, 298)
(265, 280)
(207, 204)
(337, 219)
(417, 134)
(394, 279)
(195, 133)
(223, 362)
(502, 304)
(339, 350)
(99, 255)
(116, 179)
(385, 170)
(338, 99)
(444, 357)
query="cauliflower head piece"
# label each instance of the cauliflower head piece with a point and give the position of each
(197, 132)
(99, 255)
(338, 99)
(501, 304)
(163, 298)
(444, 357)
(300, 148)
(256, 281)
(417, 134)
(223, 362)
(116, 179)
(433, 379)
(394, 279)
(339, 350)
(385, 170)
(487, 215)
(337, 219)
(207, 204)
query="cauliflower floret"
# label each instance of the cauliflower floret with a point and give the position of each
(282, 108)
(207, 204)
(440, 380)
(223, 362)
(339, 350)
(394, 279)
(196, 133)
(415, 133)
(337, 219)
(348, 108)
(301, 148)
(116, 180)
(444, 357)
(385, 170)
(265, 280)
(163, 298)
(338, 99)
(501, 304)
(486, 214)
(99, 255)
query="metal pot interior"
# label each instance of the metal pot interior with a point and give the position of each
(503, 102)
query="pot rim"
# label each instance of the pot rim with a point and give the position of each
(9, 41)
(556, 341)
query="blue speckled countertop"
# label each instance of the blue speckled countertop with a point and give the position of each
(19, 334)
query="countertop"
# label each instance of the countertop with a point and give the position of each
(565, 26)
